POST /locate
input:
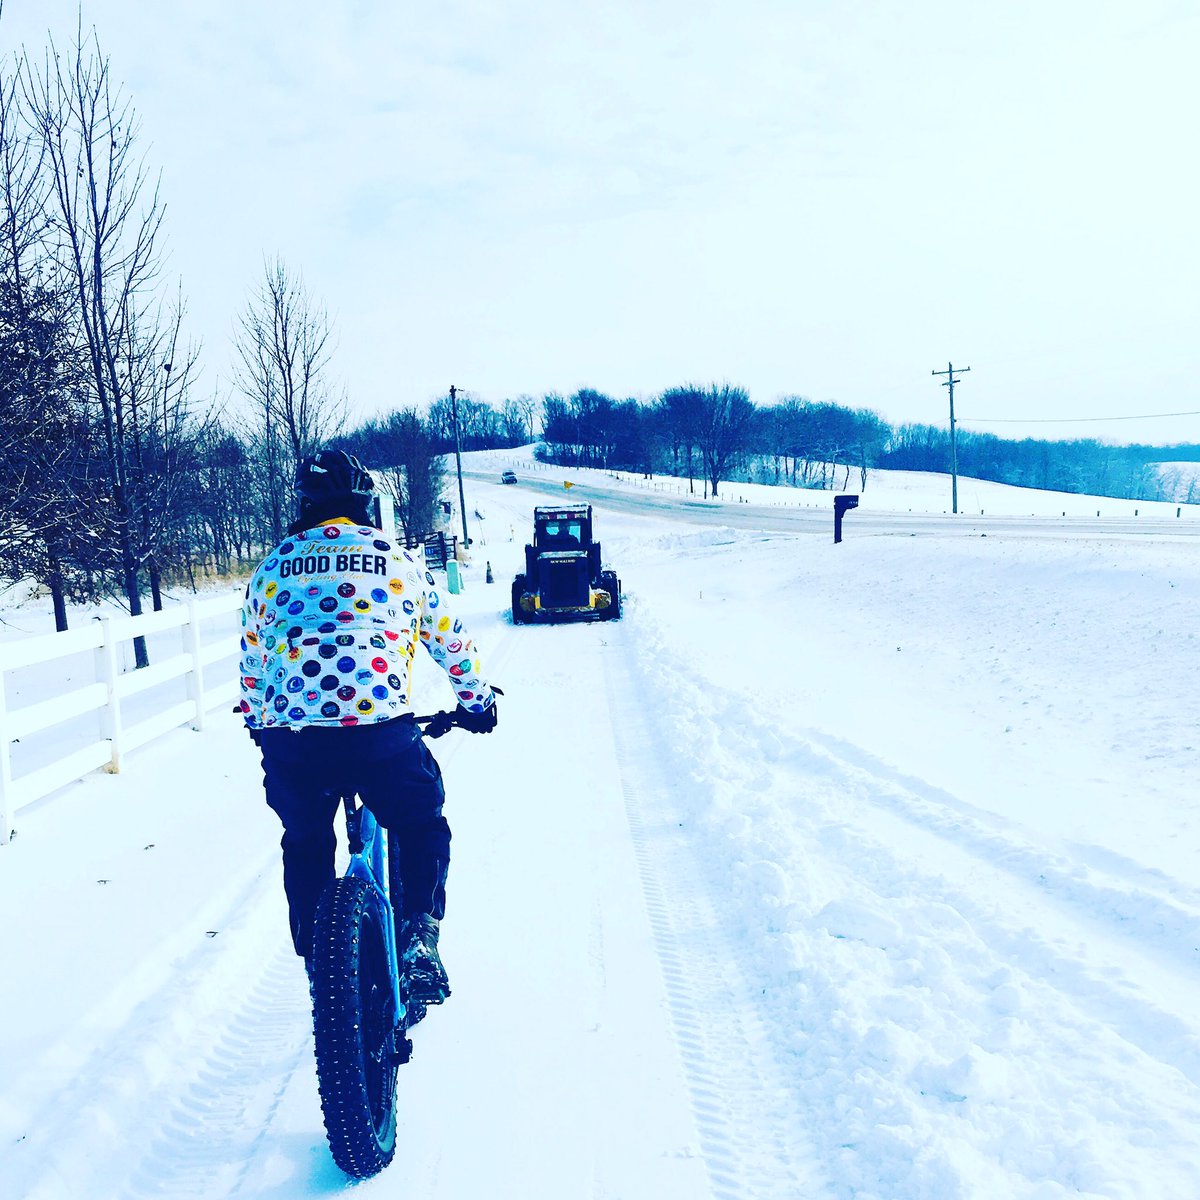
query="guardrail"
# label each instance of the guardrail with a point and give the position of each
(107, 694)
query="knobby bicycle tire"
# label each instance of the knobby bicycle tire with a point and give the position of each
(395, 881)
(354, 1028)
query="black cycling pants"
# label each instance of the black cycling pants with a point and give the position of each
(391, 769)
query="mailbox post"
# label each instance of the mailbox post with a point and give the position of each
(840, 506)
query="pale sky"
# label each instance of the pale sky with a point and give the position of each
(825, 198)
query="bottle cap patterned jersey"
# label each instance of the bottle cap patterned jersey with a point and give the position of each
(330, 626)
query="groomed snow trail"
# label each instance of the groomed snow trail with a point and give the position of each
(752, 1122)
(598, 1043)
(631, 1062)
(601, 1041)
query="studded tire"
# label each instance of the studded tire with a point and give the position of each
(354, 1028)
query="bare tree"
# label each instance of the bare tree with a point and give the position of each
(162, 430)
(480, 426)
(515, 422)
(221, 465)
(529, 409)
(403, 451)
(726, 414)
(683, 410)
(45, 484)
(23, 320)
(558, 430)
(285, 346)
(107, 219)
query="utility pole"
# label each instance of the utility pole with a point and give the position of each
(462, 500)
(950, 382)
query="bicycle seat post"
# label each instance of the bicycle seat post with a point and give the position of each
(354, 814)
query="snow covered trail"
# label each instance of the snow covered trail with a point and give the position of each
(601, 1040)
(753, 1122)
(150, 1002)
(627, 1007)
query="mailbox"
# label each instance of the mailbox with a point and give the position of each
(841, 505)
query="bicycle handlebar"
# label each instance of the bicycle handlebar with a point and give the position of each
(438, 724)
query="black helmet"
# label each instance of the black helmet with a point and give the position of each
(331, 473)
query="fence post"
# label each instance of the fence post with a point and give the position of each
(108, 671)
(6, 801)
(196, 674)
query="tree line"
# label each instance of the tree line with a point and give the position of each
(715, 432)
(710, 433)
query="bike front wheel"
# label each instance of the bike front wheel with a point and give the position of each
(354, 1028)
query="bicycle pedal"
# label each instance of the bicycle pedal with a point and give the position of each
(428, 995)
(403, 1051)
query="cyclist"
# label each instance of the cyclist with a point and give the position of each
(331, 622)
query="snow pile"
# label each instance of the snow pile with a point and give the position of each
(955, 849)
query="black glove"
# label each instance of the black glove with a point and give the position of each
(476, 722)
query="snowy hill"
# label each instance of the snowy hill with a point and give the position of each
(859, 870)
(883, 491)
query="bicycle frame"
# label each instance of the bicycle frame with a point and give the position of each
(367, 863)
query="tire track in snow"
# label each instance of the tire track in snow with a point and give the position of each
(210, 1133)
(187, 1084)
(753, 1136)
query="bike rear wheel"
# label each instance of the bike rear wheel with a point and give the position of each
(354, 1028)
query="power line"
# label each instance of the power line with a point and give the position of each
(1070, 420)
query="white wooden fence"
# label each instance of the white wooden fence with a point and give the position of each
(108, 692)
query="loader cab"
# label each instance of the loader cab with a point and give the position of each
(556, 529)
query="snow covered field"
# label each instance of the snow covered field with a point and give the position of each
(865, 870)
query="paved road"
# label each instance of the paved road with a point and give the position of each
(819, 521)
